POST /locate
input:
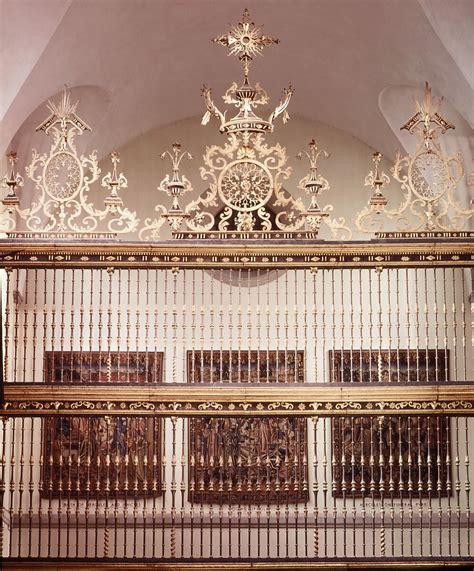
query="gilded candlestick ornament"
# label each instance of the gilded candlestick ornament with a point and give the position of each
(314, 184)
(377, 179)
(114, 182)
(428, 179)
(12, 181)
(174, 186)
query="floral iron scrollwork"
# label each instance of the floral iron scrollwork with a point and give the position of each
(428, 179)
(63, 179)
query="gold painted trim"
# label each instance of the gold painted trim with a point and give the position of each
(242, 566)
(211, 400)
(373, 253)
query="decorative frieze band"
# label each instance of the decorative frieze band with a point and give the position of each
(310, 400)
(284, 254)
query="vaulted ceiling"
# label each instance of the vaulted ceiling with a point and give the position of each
(141, 63)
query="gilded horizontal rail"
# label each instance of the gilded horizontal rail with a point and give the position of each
(242, 565)
(249, 254)
(200, 400)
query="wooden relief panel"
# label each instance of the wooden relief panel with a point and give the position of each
(414, 449)
(140, 367)
(99, 456)
(75, 452)
(245, 366)
(258, 460)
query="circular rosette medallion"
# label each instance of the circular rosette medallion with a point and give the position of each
(245, 185)
(429, 176)
(62, 176)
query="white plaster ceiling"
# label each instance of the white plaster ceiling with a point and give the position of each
(145, 60)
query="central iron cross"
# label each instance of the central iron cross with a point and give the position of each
(245, 40)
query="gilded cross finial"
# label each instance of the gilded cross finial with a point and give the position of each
(427, 118)
(245, 40)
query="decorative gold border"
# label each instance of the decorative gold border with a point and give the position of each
(386, 563)
(39, 399)
(251, 254)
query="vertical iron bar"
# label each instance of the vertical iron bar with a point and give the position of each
(436, 324)
(446, 328)
(417, 328)
(163, 485)
(31, 486)
(16, 301)
(467, 486)
(381, 466)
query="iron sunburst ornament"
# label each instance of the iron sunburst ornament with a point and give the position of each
(245, 40)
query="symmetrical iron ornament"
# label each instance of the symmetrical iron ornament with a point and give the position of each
(246, 194)
(63, 179)
(245, 197)
(428, 179)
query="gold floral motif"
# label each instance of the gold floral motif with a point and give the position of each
(242, 405)
(277, 405)
(210, 405)
(174, 405)
(28, 404)
(351, 405)
(141, 405)
(82, 404)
